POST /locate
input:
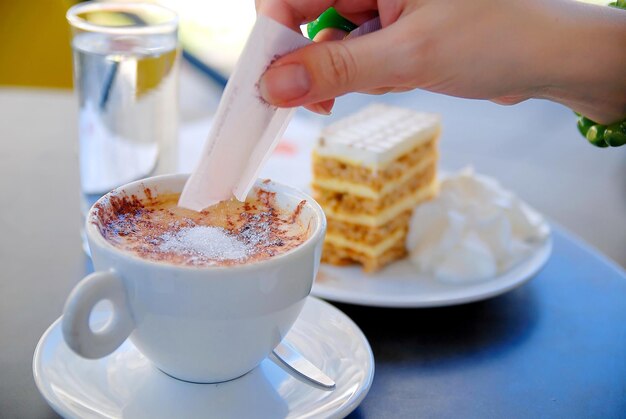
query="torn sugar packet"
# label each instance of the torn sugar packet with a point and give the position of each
(245, 129)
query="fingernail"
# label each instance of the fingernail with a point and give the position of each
(284, 83)
(323, 108)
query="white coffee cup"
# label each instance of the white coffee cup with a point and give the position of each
(199, 324)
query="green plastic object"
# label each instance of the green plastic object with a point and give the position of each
(615, 134)
(329, 19)
(600, 135)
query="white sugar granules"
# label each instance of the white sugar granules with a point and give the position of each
(212, 243)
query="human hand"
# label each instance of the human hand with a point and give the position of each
(484, 49)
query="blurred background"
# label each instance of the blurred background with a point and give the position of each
(36, 37)
(533, 148)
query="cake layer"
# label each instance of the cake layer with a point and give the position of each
(385, 216)
(326, 168)
(372, 250)
(366, 190)
(369, 171)
(377, 135)
(337, 255)
(350, 203)
(364, 234)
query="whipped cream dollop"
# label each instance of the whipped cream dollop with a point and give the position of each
(473, 230)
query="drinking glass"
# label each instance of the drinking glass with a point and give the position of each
(126, 78)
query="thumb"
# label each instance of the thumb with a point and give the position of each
(325, 70)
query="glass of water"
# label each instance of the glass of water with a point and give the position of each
(126, 77)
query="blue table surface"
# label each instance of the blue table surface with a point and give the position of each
(553, 348)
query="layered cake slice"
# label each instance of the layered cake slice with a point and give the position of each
(369, 171)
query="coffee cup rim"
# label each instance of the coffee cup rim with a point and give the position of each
(95, 235)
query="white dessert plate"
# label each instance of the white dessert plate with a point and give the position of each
(125, 384)
(400, 285)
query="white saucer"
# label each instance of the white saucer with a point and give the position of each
(399, 285)
(125, 384)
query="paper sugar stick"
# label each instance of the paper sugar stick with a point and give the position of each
(245, 129)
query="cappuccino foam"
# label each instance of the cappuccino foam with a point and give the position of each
(232, 232)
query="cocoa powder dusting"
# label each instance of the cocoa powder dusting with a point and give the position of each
(148, 193)
(229, 233)
(297, 211)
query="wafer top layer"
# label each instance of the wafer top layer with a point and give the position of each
(377, 135)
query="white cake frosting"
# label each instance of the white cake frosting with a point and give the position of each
(377, 135)
(474, 230)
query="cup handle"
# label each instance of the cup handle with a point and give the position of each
(98, 286)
